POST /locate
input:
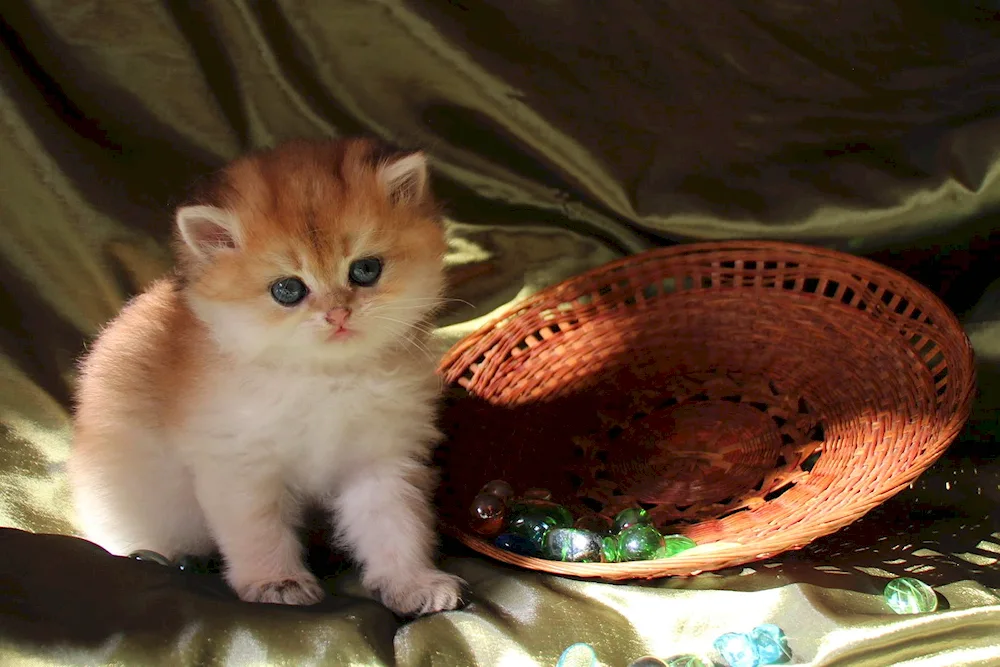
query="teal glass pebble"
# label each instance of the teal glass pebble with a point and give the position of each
(145, 555)
(674, 544)
(595, 523)
(687, 660)
(647, 661)
(609, 550)
(772, 645)
(578, 655)
(534, 518)
(907, 595)
(737, 649)
(572, 545)
(633, 516)
(640, 542)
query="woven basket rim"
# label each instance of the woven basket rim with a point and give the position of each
(701, 558)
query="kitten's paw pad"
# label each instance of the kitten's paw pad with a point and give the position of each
(302, 589)
(427, 593)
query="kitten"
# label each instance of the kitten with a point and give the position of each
(285, 362)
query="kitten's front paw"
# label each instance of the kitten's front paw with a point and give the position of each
(428, 592)
(299, 589)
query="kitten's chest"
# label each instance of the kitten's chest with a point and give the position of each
(297, 415)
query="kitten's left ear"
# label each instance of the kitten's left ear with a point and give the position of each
(405, 178)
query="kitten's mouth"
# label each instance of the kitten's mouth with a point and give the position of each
(341, 333)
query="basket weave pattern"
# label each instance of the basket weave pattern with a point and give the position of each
(752, 396)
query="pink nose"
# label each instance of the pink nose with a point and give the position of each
(337, 317)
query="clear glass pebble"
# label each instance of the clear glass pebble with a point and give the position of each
(572, 545)
(907, 595)
(499, 488)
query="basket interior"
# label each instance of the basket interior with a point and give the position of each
(734, 396)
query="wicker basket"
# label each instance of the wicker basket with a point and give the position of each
(753, 396)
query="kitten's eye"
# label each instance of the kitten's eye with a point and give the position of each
(289, 291)
(365, 272)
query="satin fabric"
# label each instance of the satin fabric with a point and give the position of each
(562, 135)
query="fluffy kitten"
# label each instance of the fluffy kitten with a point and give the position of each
(285, 362)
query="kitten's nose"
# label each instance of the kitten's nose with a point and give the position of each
(337, 317)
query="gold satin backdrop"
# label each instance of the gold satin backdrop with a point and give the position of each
(563, 135)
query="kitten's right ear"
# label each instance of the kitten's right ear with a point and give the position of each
(207, 229)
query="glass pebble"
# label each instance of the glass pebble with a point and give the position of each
(487, 514)
(578, 655)
(633, 516)
(572, 545)
(189, 564)
(537, 494)
(737, 649)
(772, 645)
(150, 556)
(595, 523)
(674, 544)
(498, 488)
(609, 550)
(534, 518)
(517, 544)
(907, 595)
(687, 660)
(640, 542)
(647, 661)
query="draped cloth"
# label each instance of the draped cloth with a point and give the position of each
(562, 135)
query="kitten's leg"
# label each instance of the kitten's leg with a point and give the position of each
(253, 518)
(130, 492)
(384, 516)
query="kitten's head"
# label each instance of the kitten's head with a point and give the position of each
(314, 252)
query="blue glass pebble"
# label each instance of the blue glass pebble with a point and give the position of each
(578, 655)
(772, 645)
(737, 649)
(517, 544)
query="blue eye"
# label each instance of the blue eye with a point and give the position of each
(289, 291)
(365, 272)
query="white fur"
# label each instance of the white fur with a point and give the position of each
(262, 440)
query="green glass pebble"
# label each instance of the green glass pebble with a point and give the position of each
(595, 523)
(534, 518)
(647, 661)
(674, 544)
(640, 542)
(687, 660)
(609, 550)
(572, 545)
(145, 555)
(633, 516)
(907, 595)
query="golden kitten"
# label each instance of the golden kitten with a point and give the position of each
(283, 363)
